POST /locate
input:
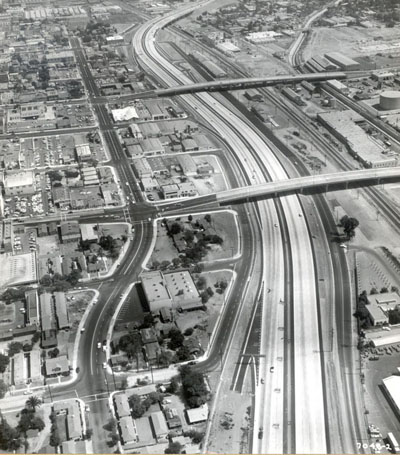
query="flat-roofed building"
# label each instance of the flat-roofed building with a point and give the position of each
(143, 168)
(150, 129)
(61, 311)
(19, 183)
(64, 56)
(187, 164)
(74, 424)
(35, 365)
(392, 389)
(157, 166)
(189, 145)
(345, 63)
(19, 369)
(46, 311)
(170, 191)
(152, 146)
(197, 415)
(32, 307)
(182, 290)
(155, 291)
(70, 231)
(83, 152)
(122, 405)
(160, 426)
(345, 126)
(128, 430)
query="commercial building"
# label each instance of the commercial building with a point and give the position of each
(344, 126)
(70, 231)
(339, 86)
(183, 291)
(345, 63)
(228, 48)
(382, 76)
(83, 152)
(155, 291)
(380, 336)
(19, 183)
(197, 415)
(392, 388)
(262, 37)
(152, 146)
(122, 407)
(124, 114)
(64, 56)
(187, 164)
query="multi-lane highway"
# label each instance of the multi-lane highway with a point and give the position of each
(309, 405)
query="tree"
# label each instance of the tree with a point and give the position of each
(188, 331)
(33, 402)
(55, 440)
(9, 438)
(175, 229)
(111, 425)
(14, 347)
(207, 218)
(349, 225)
(190, 218)
(27, 347)
(54, 353)
(4, 361)
(137, 405)
(201, 283)
(3, 388)
(196, 436)
(384, 290)
(173, 385)
(35, 337)
(176, 339)
(37, 423)
(174, 447)
(188, 235)
(194, 387)
(124, 383)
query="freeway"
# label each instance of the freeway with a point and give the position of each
(310, 431)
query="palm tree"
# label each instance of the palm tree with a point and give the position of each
(33, 402)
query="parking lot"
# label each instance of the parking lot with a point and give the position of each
(380, 413)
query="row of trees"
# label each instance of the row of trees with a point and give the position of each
(194, 388)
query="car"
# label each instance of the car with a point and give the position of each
(121, 296)
(99, 345)
(82, 329)
(28, 392)
(150, 197)
(342, 245)
(104, 364)
(262, 381)
(272, 369)
(87, 408)
(275, 225)
(95, 301)
(300, 215)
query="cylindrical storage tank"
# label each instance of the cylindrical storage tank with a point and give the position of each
(390, 100)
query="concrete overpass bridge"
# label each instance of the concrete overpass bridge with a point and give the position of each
(243, 83)
(324, 182)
